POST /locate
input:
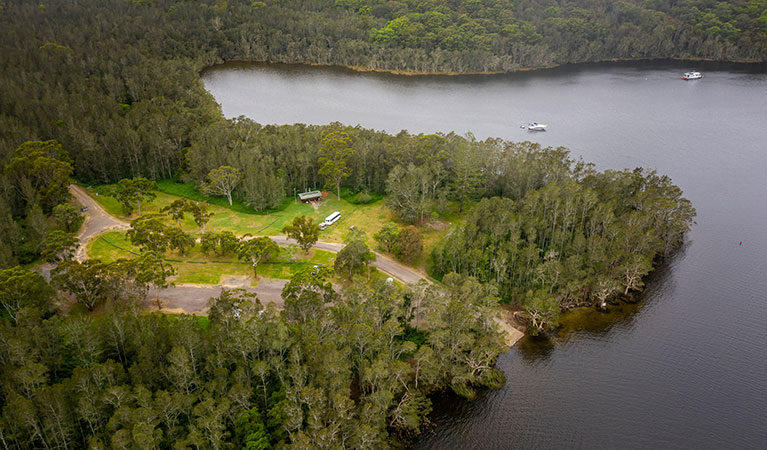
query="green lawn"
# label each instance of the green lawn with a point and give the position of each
(368, 218)
(199, 268)
(433, 233)
(190, 191)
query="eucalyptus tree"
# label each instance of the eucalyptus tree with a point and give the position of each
(150, 233)
(466, 166)
(221, 182)
(66, 216)
(633, 271)
(39, 172)
(386, 237)
(176, 210)
(200, 214)
(306, 294)
(58, 246)
(262, 188)
(89, 282)
(256, 250)
(36, 228)
(21, 288)
(411, 192)
(335, 152)
(409, 244)
(146, 270)
(220, 243)
(542, 310)
(303, 230)
(179, 240)
(354, 257)
(134, 190)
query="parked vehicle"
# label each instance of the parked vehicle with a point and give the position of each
(330, 220)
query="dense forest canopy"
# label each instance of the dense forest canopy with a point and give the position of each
(249, 377)
(108, 90)
(116, 81)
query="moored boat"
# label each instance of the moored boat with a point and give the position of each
(692, 75)
(535, 126)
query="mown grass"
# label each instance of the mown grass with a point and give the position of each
(198, 268)
(190, 191)
(102, 195)
(368, 217)
(111, 246)
(434, 233)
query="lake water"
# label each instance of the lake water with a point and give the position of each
(687, 368)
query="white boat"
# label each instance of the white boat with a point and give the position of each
(535, 126)
(692, 75)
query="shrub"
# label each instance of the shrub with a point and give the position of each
(362, 198)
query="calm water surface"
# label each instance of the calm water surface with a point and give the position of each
(685, 369)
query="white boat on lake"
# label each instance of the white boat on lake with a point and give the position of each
(692, 75)
(535, 126)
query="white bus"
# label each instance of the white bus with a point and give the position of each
(331, 219)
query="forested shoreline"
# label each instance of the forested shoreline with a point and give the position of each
(118, 81)
(736, 64)
(102, 91)
(248, 376)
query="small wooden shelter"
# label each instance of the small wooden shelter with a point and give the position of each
(311, 196)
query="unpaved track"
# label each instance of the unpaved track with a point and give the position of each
(194, 298)
(385, 264)
(97, 220)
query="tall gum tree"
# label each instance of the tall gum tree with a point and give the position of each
(39, 172)
(129, 190)
(303, 230)
(257, 249)
(336, 151)
(221, 182)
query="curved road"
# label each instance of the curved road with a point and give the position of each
(193, 298)
(383, 263)
(97, 220)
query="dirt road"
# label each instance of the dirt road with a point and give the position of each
(97, 220)
(193, 298)
(385, 264)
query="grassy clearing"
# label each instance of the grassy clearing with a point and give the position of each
(190, 191)
(432, 232)
(111, 246)
(199, 268)
(435, 232)
(368, 218)
(202, 321)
